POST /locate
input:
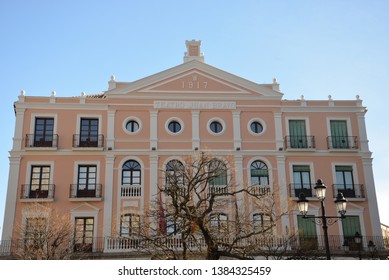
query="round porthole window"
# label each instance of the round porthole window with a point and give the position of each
(256, 126)
(174, 126)
(216, 126)
(132, 125)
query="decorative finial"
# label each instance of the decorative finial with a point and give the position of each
(274, 80)
(83, 94)
(358, 97)
(113, 78)
(329, 97)
(302, 97)
(22, 93)
(53, 93)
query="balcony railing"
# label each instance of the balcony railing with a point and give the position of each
(218, 190)
(85, 191)
(81, 141)
(40, 141)
(131, 191)
(259, 190)
(342, 142)
(349, 190)
(296, 189)
(300, 142)
(42, 191)
(286, 245)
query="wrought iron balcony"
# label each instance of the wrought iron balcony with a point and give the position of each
(91, 141)
(42, 191)
(296, 189)
(41, 141)
(218, 190)
(300, 142)
(86, 190)
(350, 190)
(342, 142)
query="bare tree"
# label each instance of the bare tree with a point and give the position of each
(44, 234)
(201, 212)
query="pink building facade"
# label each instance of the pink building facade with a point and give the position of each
(100, 157)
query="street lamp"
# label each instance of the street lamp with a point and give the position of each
(340, 202)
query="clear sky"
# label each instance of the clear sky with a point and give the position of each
(313, 48)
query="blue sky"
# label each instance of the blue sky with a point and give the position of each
(313, 48)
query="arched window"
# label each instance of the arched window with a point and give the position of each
(131, 173)
(174, 173)
(259, 173)
(217, 173)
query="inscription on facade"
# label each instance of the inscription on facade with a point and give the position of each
(193, 105)
(194, 83)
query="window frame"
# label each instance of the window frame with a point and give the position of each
(131, 172)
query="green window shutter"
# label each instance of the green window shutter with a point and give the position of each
(339, 134)
(301, 168)
(350, 226)
(343, 168)
(297, 134)
(306, 227)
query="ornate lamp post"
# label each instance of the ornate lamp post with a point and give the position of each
(340, 202)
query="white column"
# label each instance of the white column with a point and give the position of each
(278, 126)
(236, 124)
(153, 186)
(281, 173)
(18, 134)
(111, 129)
(362, 132)
(239, 178)
(195, 130)
(108, 195)
(153, 129)
(12, 193)
(371, 196)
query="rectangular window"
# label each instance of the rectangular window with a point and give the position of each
(262, 222)
(43, 134)
(129, 225)
(39, 182)
(302, 180)
(339, 135)
(83, 234)
(35, 236)
(86, 185)
(298, 134)
(219, 223)
(89, 132)
(345, 180)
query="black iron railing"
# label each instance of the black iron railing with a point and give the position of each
(41, 141)
(342, 142)
(31, 191)
(300, 142)
(90, 141)
(349, 190)
(86, 190)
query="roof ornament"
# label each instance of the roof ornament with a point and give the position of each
(83, 94)
(330, 97)
(22, 92)
(302, 97)
(358, 97)
(113, 78)
(53, 93)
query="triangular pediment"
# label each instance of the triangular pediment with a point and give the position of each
(194, 78)
(85, 207)
(195, 81)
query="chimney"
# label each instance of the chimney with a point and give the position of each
(193, 51)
